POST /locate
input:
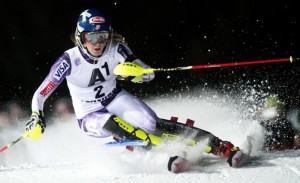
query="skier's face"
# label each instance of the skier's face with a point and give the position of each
(95, 49)
(95, 42)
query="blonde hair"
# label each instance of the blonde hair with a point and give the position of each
(74, 38)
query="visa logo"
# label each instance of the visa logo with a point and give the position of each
(61, 69)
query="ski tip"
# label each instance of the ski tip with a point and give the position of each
(178, 164)
(175, 163)
(236, 159)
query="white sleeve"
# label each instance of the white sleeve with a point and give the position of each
(60, 69)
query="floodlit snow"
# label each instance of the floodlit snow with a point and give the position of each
(65, 155)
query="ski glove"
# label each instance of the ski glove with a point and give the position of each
(132, 71)
(137, 79)
(35, 126)
(134, 79)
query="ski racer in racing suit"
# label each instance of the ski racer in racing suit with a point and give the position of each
(100, 104)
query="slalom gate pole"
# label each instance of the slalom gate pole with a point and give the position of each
(14, 142)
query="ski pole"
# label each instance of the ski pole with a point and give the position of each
(14, 142)
(131, 69)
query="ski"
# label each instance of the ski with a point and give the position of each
(127, 143)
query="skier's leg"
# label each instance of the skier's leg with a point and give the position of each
(92, 124)
(216, 146)
(133, 111)
(136, 113)
(102, 124)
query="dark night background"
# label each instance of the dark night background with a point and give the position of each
(165, 33)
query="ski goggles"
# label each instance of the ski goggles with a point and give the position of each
(96, 37)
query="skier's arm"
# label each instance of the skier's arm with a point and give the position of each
(60, 69)
(126, 55)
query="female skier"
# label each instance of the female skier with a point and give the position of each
(101, 106)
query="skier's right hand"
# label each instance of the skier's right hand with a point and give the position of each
(35, 126)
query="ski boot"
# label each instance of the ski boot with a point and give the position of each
(235, 157)
(227, 150)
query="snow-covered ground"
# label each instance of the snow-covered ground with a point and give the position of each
(65, 155)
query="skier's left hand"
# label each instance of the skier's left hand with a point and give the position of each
(35, 126)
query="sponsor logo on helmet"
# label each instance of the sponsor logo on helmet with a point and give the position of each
(47, 88)
(97, 27)
(79, 28)
(61, 69)
(97, 20)
(84, 15)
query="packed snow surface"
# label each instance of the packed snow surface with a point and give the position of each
(65, 155)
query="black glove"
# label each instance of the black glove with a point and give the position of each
(126, 78)
(127, 68)
(36, 125)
